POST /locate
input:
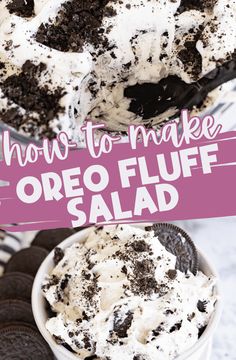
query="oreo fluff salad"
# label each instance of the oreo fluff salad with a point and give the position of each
(119, 296)
(117, 62)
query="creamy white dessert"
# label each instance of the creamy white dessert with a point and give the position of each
(117, 62)
(118, 295)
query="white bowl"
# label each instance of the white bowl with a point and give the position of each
(200, 351)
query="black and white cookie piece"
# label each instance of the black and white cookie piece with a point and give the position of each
(23, 342)
(27, 260)
(49, 239)
(30, 106)
(17, 286)
(16, 311)
(179, 243)
(22, 8)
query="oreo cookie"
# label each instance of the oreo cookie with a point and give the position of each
(49, 239)
(27, 260)
(77, 23)
(179, 243)
(23, 8)
(16, 311)
(17, 286)
(21, 341)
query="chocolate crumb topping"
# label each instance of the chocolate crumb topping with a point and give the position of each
(191, 316)
(139, 357)
(12, 117)
(143, 280)
(171, 274)
(54, 280)
(87, 342)
(201, 305)
(24, 90)
(201, 5)
(77, 23)
(176, 327)
(140, 246)
(124, 270)
(65, 281)
(58, 255)
(60, 341)
(91, 289)
(190, 57)
(158, 330)
(121, 326)
(201, 331)
(23, 8)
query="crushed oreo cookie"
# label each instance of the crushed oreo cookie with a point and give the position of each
(171, 274)
(121, 326)
(190, 56)
(201, 5)
(201, 305)
(201, 331)
(24, 90)
(139, 357)
(77, 23)
(23, 8)
(176, 327)
(140, 246)
(149, 100)
(58, 255)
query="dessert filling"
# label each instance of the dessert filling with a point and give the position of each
(120, 295)
(119, 62)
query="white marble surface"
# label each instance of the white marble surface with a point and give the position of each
(217, 239)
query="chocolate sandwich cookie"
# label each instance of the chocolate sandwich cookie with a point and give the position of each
(177, 242)
(49, 239)
(27, 260)
(21, 341)
(16, 311)
(17, 286)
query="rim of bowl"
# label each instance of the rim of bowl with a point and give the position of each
(15, 135)
(38, 298)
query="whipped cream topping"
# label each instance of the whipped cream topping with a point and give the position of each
(130, 65)
(118, 295)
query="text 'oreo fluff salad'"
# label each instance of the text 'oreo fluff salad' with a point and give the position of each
(119, 296)
(117, 62)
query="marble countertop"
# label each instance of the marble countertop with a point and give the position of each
(217, 239)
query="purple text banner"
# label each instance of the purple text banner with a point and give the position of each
(153, 183)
